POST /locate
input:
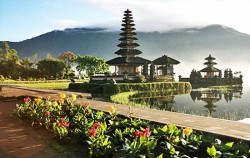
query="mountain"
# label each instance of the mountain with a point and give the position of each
(188, 45)
(213, 39)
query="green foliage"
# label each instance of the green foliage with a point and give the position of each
(83, 87)
(9, 61)
(68, 58)
(51, 67)
(91, 65)
(2, 78)
(108, 134)
(155, 86)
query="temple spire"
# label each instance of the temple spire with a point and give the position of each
(127, 45)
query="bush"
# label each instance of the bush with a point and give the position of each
(2, 78)
(108, 134)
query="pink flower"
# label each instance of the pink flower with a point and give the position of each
(92, 132)
(27, 99)
(47, 113)
(96, 125)
(147, 132)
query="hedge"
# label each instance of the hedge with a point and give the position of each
(130, 87)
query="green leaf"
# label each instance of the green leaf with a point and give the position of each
(155, 131)
(164, 129)
(173, 129)
(105, 142)
(160, 156)
(211, 151)
(230, 144)
(152, 144)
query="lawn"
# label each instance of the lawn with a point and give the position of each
(49, 85)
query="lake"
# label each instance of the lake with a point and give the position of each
(224, 104)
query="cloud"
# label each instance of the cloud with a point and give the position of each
(67, 23)
(162, 15)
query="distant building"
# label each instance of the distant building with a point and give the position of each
(212, 76)
(210, 71)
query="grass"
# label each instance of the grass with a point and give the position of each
(51, 85)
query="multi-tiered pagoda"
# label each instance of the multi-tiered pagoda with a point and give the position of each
(128, 62)
(210, 71)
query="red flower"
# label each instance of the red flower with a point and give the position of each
(141, 134)
(64, 124)
(26, 99)
(137, 133)
(47, 113)
(85, 105)
(92, 132)
(96, 125)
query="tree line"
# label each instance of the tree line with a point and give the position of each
(12, 67)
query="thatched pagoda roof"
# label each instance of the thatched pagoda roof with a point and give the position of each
(209, 57)
(128, 52)
(165, 60)
(128, 60)
(210, 63)
(210, 69)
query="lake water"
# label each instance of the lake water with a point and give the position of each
(224, 104)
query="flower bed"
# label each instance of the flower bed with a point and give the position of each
(112, 135)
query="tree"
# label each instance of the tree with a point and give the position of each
(7, 54)
(91, 65)
(68, 59)
(51, 67)
(25, 62)
(9, 61)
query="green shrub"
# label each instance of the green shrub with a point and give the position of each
(108, 134)
(2, 78)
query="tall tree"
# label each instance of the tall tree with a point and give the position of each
(9, 61)
(51, 67)
(68, 59)
(91, 65)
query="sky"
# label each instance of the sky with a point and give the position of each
(24, 19)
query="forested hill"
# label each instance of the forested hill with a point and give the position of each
(182, 44)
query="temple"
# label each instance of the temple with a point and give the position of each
(164, 67)
(210, 71)
(212, 76)
(129, 67)
(129, 62)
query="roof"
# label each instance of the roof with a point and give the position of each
(127, 60)
(165, 60)
(210, 63)
(210, 69)
(128, 52)
(209, 57)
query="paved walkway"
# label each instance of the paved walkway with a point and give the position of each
(212, 125)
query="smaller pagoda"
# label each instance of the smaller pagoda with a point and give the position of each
(210, 71)
(212, 76)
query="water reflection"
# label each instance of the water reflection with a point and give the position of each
(155, 100)
(210, 97)
(220, 103)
